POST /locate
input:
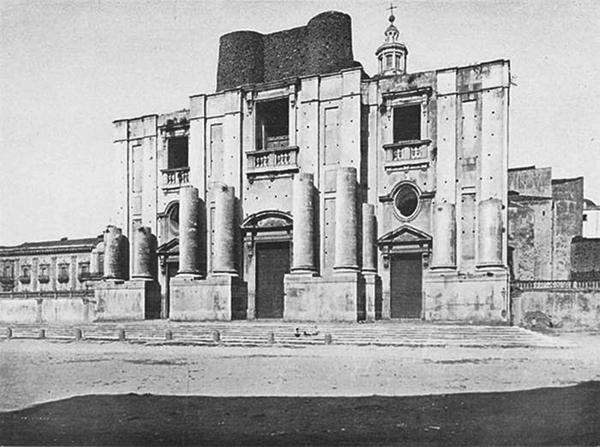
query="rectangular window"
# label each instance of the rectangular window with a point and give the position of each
(407, 123)
(177, 149)
(272, 124)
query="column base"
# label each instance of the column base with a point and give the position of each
(314, 298)
(216, 298)
(126, 300)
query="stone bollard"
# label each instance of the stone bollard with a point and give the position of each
(216, 336)
(168, 335)
(271, 338)
(42, 334)
(328, 339)
(9, 332)
(122, 335)
(78, 334)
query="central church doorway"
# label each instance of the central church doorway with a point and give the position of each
(406, 284)
(272, 263)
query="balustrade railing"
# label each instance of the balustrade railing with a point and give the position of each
(176, 177)
(272, 161)
(406, 153)
(555, 284)
(87, 293)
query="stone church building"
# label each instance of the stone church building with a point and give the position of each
(306, 189)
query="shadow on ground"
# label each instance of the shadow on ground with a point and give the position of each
(550, 416)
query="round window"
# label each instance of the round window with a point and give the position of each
(407, 201)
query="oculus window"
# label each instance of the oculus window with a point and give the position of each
(406, 201)
(407, 123)
(272, 124)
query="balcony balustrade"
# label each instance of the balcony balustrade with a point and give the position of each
(175, 177)
(272, 161)
(407, 154)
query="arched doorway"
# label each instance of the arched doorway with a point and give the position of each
(267, 250)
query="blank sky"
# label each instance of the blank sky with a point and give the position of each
(69, 68)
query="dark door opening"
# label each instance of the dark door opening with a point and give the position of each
(406, 284)
(272, 262)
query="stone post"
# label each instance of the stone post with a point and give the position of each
(303, 211)
(490, 233)
(189, 232)
(346, 234)
(144, 254)
(224, 231)
(369, 240)
(115, 252)
(444, 245)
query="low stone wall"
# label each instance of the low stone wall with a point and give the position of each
(566, 304)
(58, 307)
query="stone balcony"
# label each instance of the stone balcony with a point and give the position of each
(412, 154)
(272, 162)
(175, 177)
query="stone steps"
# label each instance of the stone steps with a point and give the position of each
(401, 334)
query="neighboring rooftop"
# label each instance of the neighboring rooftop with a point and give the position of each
(63, 245)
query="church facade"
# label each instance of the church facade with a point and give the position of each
(304, 189)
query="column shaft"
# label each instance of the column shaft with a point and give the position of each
(189, 232)
(303, 211)
(114, 253)
(490, 233)
(444, 245)
(144, 254)
(369, 241)
(224, 230)
(346, 234)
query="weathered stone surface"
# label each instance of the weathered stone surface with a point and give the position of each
(144, 254)
(369, 238)
(346, 220)
(189, 232)
(122, 301)
(116, 254)
(310, 298)
(490, 233)
(304, 220)
(444, 248)
(224, 231)
(215, 298)
(482, 297)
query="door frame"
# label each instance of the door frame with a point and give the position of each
(264, 226)
(420, 257)
(403, 240)
(257, 246)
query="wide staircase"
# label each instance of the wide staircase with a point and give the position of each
(412, 334)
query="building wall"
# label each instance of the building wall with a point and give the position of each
(585, 259)
(567, 195)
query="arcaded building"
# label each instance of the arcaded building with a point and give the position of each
(306, 189)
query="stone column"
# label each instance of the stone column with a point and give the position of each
(224, 231)
(94, 261)
(189, 232)
(444, 244)
(346, 234)
(303, 210)
(490, 233)
(114, 254)
(144, 254)
(369, 240)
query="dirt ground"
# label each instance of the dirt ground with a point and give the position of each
(307, 396)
